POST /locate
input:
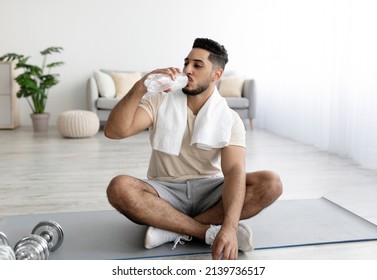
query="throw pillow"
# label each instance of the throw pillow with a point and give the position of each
(105, 83)
(124, 81)
(231, 86)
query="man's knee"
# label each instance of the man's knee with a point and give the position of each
(126, 193)
(119, 191)
(266, 183)
(114, 187)
(275, 184)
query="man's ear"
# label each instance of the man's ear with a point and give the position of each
(217, 74)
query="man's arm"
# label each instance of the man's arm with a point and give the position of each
(127, 118)
(233, 197)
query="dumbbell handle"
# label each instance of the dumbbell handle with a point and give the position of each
(46, 237)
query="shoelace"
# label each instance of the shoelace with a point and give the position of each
(181, 240)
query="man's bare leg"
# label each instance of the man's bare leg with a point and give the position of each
(140, 202)
(262, 189)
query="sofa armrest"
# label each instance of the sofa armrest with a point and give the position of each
(92, 95)
(249, 93)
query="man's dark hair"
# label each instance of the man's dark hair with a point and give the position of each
(218, 54)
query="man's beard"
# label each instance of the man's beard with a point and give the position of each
(200, 89)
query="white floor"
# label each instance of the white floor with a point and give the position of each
(44, 173)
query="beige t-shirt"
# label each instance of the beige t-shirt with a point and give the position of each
(192, 162)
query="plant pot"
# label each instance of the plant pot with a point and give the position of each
(40, 122)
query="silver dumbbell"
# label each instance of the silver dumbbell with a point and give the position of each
(6, 252)
(46, 237)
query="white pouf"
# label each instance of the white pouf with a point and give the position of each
(78, 124)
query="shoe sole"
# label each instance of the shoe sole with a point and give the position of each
(147, 239)
(250, 234)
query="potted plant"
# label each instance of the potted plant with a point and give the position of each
(35, 82)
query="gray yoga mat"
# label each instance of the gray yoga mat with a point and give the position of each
(108, 235)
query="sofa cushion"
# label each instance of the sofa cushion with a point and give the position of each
(231, 86)
(124, 82)
(105, 83)
(104, 103)
(237, 102)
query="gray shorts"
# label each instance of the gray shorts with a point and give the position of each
(191, 197)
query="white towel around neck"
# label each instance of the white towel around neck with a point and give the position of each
(212, 128)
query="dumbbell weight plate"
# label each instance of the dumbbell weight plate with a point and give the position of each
(32, 247)
(53, 231)
(3, 239)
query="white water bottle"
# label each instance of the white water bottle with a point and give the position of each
(162, 82)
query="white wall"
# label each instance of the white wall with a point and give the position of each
(119, 34)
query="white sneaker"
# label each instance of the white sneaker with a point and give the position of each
(155, 237)
(244, 237)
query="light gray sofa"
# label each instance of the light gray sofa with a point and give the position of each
(244, 105)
